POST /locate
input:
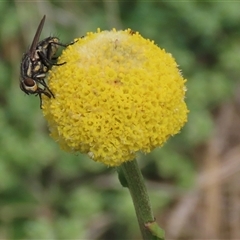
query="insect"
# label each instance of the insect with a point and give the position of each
(37, 62)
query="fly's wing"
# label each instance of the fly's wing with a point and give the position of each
(36, 37)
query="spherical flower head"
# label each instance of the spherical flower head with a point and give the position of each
(117, 94)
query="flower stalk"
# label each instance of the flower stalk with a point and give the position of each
(118, 94)
(135, 183)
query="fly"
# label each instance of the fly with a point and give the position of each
(37, 62)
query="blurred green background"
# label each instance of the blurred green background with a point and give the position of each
(46, 193)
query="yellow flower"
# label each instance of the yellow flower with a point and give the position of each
(117, 94)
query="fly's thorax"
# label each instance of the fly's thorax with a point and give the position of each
(39, 69)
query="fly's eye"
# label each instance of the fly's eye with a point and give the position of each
(28, 85)
(29, 82)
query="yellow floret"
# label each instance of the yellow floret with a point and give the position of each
(117, 94)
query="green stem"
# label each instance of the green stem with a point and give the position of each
(137, 188)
